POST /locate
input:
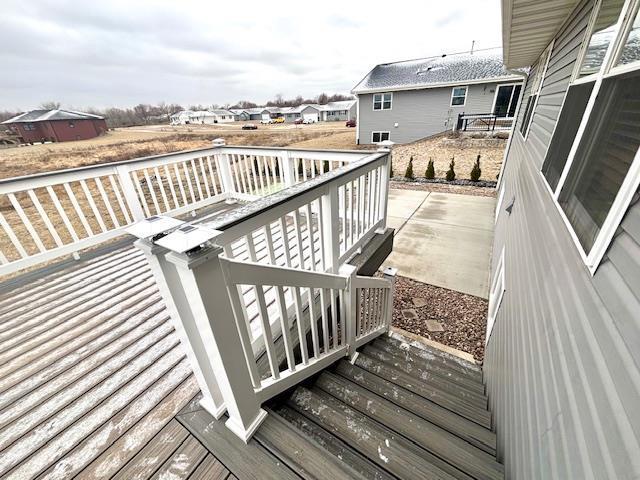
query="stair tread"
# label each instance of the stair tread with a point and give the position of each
(249, 461)
(426, 362)
(416, 371)
(389, 450)
(427, 352)
(300, 453)
(440, 442)
(472, 412)
(340, 451)
(468, 430)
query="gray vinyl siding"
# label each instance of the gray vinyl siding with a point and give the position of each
(421, 113)
(562, 365)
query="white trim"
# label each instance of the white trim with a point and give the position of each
(380, 132)
(438, 85)
(498, 287)
(357, 120)
(466, 94)
(499, 205)
(548, 52)
(382, 109)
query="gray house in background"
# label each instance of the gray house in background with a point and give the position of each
(562, 365)
(409, 100)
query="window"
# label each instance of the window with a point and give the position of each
(382, 101)
(29, 126)
(592, 166)
(377, 137)
(495, 296)
(458, 96)
(506, 100)
(536, 86)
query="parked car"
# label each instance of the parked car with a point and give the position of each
(308, 121)
(278, 120)
(298, 121)
(249, 126)
(266, 121)
(350, 123)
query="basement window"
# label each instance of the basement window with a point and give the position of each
(458, 96)
(377, 137)
(382, 101)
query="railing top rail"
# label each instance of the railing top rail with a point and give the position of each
(237, 216)
(165, 156)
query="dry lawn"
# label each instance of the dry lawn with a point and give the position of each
(443, 148)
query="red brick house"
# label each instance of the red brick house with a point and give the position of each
(56, 125)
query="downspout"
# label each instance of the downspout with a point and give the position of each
(357, 119)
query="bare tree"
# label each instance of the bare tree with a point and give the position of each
(50, 105)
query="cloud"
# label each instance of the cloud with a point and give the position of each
(121, 52)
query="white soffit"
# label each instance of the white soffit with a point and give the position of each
(528, 26)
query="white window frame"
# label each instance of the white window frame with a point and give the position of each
(466, 94)
(538, 81)
(498, 288)
(495, 97)
(631, 182)
(380, 132)
(381, 109)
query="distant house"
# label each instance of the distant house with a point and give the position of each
(56, 125)
(339, 111)
(202, 117)
(240, 114)
(413, 99)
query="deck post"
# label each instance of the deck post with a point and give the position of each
(222, 162)
(390, 274)
(206, 294)
(330, 234)
(384, 189)
(168, 281)
(289, 169)
(129, 191)
(350, 306)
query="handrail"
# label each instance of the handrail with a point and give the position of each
(48, 215)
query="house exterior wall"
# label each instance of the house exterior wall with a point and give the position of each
(562, 363)
(61, 131)
(421, 113)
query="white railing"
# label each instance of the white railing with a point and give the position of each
(46, 216)
(270, 292)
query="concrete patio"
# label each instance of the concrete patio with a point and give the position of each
(442, 239)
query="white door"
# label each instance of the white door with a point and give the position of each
(310, 117)
(265, 116)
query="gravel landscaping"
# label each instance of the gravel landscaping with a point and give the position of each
(454, 319)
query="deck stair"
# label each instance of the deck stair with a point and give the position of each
(401, 410)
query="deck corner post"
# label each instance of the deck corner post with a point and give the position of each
(204, 284)
(350, 306)
(223, 163)
(390, 273)
(383, 198)
(175, 299)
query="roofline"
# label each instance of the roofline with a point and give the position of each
(440, 85)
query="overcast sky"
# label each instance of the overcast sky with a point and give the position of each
(124, 52)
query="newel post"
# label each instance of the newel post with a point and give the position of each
(175, 298)
(224, 169)
(390, 274)
(289, 168)
(203, 281)
(350, 307)
(330, 235)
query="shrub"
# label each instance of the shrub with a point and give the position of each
(430, 173)
(391, 173)
(409, 173)
(476, 171)
(325, 166)
(276, 169)
(300, 167)
(451, 173)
